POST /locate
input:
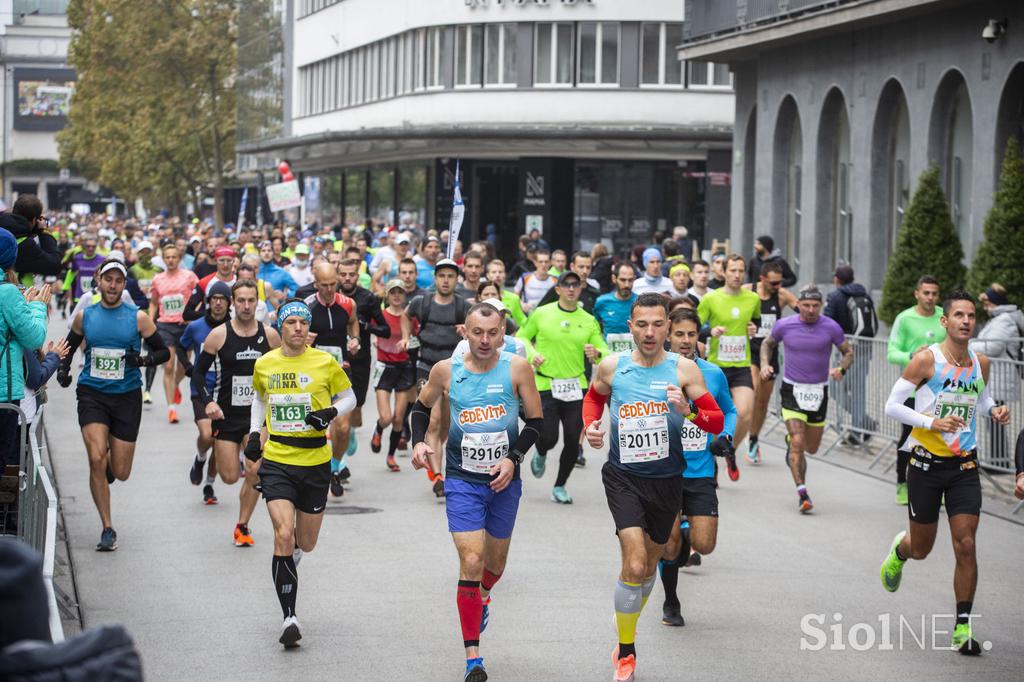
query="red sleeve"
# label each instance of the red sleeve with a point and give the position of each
(593, 406)
(346, 303)
(709, 415)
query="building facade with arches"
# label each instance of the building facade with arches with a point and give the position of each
(841, 106)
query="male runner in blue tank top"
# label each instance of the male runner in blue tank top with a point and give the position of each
(110, 386)
(951, 390)
(486, 387)
(698, 524)
(651, 392)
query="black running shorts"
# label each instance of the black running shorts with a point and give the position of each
(359, 375)
(638, 502)
(120, 412)
(699, 497)
(305, 487)
(170, 333)
(926, 488)
(738, 376)
(792, 410)
(755, 356)
(397, 377)
(225, 429)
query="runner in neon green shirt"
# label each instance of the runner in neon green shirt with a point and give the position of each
(562, 334)
(912, 330)
(733, 313)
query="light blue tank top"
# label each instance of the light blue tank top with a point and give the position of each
(646, 431)
(109, 333)
(484, 419)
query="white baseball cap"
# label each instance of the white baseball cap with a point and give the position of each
(144, 244)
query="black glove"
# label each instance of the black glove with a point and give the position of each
(722, 447)
(64, 376)
(252, 447)
(321, 419)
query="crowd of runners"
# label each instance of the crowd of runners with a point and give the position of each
(279, 335)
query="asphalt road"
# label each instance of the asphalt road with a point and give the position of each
(377, 598)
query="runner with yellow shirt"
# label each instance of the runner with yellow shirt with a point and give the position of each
(298, 391)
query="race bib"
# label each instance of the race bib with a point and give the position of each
(767, 322)
(377, 373)
(414, 343)
(959, 404)
(732, 348)
(107, 364)
(481, 451)
(173, 304)
(643, 439)
(241, 391)
(809, 396)
(288, 412)
(333, 351)
(566, 390)
(694, 438)
(85, 283)
(619, 343)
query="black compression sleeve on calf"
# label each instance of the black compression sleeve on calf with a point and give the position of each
(159, 353)
(419, 420)
(528, 437)
(202, 366)
(74, 340)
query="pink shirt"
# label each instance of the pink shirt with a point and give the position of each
(171, 291)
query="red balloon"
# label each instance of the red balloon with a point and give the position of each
(283, 168)
(287, 177)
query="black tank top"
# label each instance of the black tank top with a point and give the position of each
(235, 363)
(771, 309)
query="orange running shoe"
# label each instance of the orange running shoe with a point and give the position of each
(625, 668)
(172, 416)
(243, 538)
(392, 464)
(177, 396)
(375, 442)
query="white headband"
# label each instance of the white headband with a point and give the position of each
(113, 265)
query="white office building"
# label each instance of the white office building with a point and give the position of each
(572, 116)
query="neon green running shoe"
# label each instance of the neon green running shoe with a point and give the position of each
(901, 494)
(964, 642)
(892, 567)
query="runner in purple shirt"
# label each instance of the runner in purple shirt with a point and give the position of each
(83, 266)
(808, 339)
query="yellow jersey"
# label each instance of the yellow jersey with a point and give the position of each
(292, 387)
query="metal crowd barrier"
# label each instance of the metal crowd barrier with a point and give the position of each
(856, 409)
(37, 506)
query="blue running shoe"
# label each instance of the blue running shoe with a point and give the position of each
(475, 670)
(754, 453)
(537, 465)
(560, 495)
(486, 615)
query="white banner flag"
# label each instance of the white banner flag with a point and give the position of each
(458, 213)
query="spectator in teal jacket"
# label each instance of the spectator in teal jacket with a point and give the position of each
(22, 326)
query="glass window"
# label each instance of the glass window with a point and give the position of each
(673, 67)
(355, 198)
(382, 193)
(598, 53)
(554, 54)
(437, 47)
(650, 54)
(412, 197)
(469, 49)
(500, 54)
(709, 74)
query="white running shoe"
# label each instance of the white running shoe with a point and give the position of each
(290, 634)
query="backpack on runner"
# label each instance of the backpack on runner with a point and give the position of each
(863, 320)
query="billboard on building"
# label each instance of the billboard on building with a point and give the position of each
(43, 98)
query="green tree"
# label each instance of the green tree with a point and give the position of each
(1000, 256)
(927, 244)
(153, 114)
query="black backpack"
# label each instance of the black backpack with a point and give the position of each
(863, 320)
